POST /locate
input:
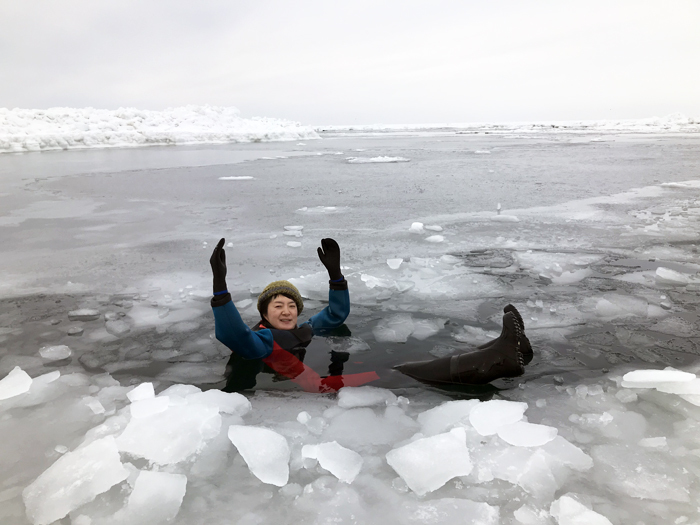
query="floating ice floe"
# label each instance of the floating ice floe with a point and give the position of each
(172, 435)
(265, 452)
(416, 227)
(350, 344)
(370, 160)
(524, 434)
(668, 277)
(55, 353)
(141, 392)
(156, 498)
(669, 381)
(242, 177)
(504, 218)
(84, 314)
(75, 479)
(117, 328)
(321, 209)
(421, 464)
(568, 511)
(445, 416)
(294, 244)
(435, 238)
(394, 264)
(15, 383)
(399, 327)
(342, 462)
(364, 396)
(488, 417)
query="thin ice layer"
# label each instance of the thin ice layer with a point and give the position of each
(428, 463)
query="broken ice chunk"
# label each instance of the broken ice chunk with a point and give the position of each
(568, 511)
(342, 462)
(668, 277)
(524, 434)
(156, 498)
(428, 463)
(652, 378)
(568, 454)
(395, 329)
(488, 417)
(74, 480)
(94, 405)
(55, 353)
(394, 263)
(433, 228)
(528, 515)
(416, 227)
(451, 511)
(364, 396)
(265, 452)
(424, 328)
(653, 442)
(117, 328)
(226, 402)
(443, 417)
(435, 238)
(15, 383)
(170, 436)
(149, 407)
(294, 244)
(84, 314)
(143, 391)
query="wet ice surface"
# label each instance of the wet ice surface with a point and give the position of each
(106, 287)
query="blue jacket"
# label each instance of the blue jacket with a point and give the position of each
(233, 332)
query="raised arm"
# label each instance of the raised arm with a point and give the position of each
(229, 327)
(338, 307)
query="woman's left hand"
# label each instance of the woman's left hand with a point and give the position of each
(329, 253)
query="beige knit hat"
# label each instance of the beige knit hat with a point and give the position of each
(281, 287)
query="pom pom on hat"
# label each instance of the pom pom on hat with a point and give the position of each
(281, 287)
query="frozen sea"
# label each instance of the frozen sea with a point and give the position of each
(106, 285)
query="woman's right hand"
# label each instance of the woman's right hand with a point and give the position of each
(218, 266)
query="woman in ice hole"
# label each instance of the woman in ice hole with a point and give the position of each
(279, 343)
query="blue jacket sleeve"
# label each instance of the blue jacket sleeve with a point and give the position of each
(233, 332)
(335, 313)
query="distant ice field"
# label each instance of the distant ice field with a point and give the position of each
(106, 281)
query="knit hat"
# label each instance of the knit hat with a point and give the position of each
(280, 287)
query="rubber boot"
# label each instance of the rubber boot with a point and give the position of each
(525, 346)
(501, 359)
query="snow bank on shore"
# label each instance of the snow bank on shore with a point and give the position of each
(72, 128)
(674, 123)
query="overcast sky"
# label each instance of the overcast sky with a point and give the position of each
(357, 62)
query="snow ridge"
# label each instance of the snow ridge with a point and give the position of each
(77, 128)
(673, 123)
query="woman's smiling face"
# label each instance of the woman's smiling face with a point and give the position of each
(282, 313)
